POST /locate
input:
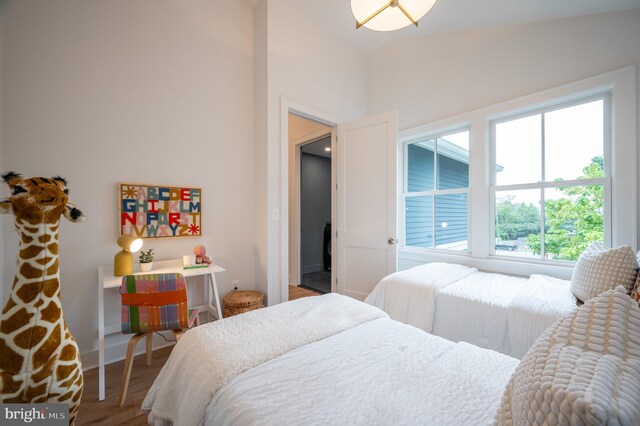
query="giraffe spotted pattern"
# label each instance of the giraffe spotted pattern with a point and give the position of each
(40, 359)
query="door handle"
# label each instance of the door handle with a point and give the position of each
(391, 241)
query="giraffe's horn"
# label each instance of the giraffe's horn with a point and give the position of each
(11, 178)
(60, 179)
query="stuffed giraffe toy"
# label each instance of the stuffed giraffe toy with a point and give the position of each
(40, 360)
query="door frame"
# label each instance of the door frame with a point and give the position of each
(321, 116)
(295, 150)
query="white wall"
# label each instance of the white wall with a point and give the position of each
(260, 217)
(121, 91)
(439, 76)
(311, 67)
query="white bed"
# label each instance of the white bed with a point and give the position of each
(460, 303)
(380, 372)
(331, 360)
(371, 370)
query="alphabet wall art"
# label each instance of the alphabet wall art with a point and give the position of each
(149, 211)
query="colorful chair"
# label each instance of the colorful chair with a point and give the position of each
(150, 303)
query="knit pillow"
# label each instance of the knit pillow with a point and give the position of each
(635, 291)
(584, 369)
(600, 269)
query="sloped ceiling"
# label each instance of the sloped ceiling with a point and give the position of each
(447, 16)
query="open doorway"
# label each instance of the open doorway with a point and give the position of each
(310, 207)
(315, 215)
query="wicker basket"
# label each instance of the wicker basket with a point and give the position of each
(241, 301)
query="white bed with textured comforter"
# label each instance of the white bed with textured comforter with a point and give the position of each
(281, 366)
(494, 311)
(331, 360)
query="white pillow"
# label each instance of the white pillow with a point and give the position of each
(584, 369)
(599, 269)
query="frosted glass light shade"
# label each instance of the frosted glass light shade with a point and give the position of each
(392, 18)
(130, 243)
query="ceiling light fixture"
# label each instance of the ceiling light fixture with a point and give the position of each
(328, 149)
(389, 15)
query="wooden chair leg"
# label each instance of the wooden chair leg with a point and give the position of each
(149, 347)
(128, 363)
(197, 320)
(178, 334)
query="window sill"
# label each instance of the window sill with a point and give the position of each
(411, 256)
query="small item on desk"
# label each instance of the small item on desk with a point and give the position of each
(188, 260)
(204, 265)
(146, 260)
(201, 255)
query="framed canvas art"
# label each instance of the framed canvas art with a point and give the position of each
(158, 211)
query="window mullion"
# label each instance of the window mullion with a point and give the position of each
(544, 179)
(542, 225)
(433, 221)
(435, 188)
(554, 184)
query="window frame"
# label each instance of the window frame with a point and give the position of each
(621, 83)
(404, 186)
(605, 181)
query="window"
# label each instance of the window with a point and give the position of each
(544, 175)
(436, 191)
(551, 180)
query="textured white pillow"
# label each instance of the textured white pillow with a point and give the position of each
(600, 269)
(584, 369)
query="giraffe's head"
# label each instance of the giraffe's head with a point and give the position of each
(39, 199)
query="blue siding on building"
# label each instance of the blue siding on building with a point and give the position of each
(452, 174)
(451, 208)
(419, 221)
(420, 169)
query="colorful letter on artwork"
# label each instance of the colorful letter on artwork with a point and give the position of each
(148, 211)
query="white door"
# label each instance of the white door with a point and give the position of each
(366, 205)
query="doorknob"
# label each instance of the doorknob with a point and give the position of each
(391, 241)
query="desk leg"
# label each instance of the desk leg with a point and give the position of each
(214, 287)
(209, 299)
(101, 384)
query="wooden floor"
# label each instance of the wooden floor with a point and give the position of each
(298, 292)
(107, 412)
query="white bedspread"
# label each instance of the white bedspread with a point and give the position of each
(207, 357)
(413, 292)
(380, 372)
(476, 309)
(543, 301)
(494, 311)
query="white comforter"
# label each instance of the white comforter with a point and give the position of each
(476, 309)
(545, 300)
(209, 356)
(410, 296)
(378, 373)
(493, 311)
(325, 360)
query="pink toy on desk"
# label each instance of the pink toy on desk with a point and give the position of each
(201, 255)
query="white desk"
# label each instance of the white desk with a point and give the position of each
(106, 280)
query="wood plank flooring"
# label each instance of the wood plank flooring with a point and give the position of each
(298, 292)
(108, 412)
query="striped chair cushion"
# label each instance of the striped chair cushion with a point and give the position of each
(154, 302)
